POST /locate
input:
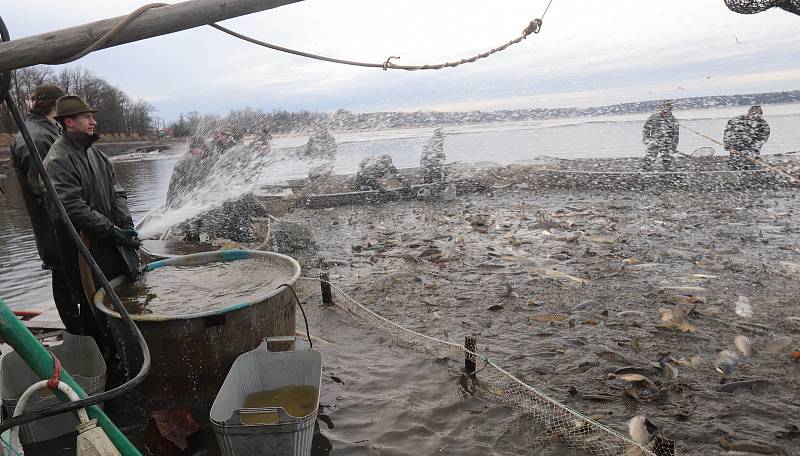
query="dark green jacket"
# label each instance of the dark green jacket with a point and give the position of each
(85, 182)
(87, 186)
(44, 133)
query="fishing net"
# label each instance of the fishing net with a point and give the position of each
(757, 6)
(551, 420)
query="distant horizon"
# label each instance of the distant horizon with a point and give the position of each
(676, 101)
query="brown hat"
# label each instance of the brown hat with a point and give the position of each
(47, 92)
(70, 105)
(226, 130)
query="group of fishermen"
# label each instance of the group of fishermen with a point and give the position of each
(743, 139)
(320, 155)
(62, 127)
(205, 162)
(372, 170)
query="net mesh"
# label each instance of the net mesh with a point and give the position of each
(551, 420)
(757, 6)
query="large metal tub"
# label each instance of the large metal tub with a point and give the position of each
(191, 354)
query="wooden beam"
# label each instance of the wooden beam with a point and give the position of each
(51, 47)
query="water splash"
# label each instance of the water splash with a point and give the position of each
(233, 174)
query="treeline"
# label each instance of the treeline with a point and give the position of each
(250, 120)
(118, 112)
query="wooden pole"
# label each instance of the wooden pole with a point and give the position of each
(325, 287)
(51, 47)
(471, 344)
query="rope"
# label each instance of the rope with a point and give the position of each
(409, 334)
(752, 160)
(110, 34)
(534, 27)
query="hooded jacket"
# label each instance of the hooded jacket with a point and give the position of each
(44, 133)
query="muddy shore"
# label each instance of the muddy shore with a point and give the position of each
(605, 263)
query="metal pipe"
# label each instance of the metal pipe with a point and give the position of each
(34, 354)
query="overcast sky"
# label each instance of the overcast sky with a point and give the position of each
(589, 52)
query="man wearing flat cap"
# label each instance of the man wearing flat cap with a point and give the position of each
(44, 131)
(96, 204)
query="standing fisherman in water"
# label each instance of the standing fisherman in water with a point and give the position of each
(320, 151)
(372, 169)
(433, 157)
(96, 204)
(44, 131)
(660, 136)
(744, 137)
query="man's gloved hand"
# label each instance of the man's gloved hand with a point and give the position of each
(126, 237)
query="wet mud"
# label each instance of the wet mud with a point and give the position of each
(615, 303)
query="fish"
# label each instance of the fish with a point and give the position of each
(779, 344)
(750, 447)
(743, 307)
(599, 239)
(585, 305)
(743, 345)
(315, 339)
(752, 385)
(726, 362)
(630, 313)
(637, 378)
(701, 276)
(641, 429)
(611, 355)
(553, 274)
(548, 317)
(675, 319)
(685, 289)
(668, 371)
(691, 299)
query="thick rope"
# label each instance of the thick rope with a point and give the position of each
(110, 34)
(532, 28)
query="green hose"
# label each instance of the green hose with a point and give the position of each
(40, 361)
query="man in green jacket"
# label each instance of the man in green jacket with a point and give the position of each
(44, 131)
(96, 204)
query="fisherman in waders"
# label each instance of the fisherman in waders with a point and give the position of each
(372, 169)
(193, 171)
(320, 152)
(97, 206)
(744, 137)
(433, 157)
(190, 170)
(44, 131)
(660, 137)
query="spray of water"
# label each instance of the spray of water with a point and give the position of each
(233, 174)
